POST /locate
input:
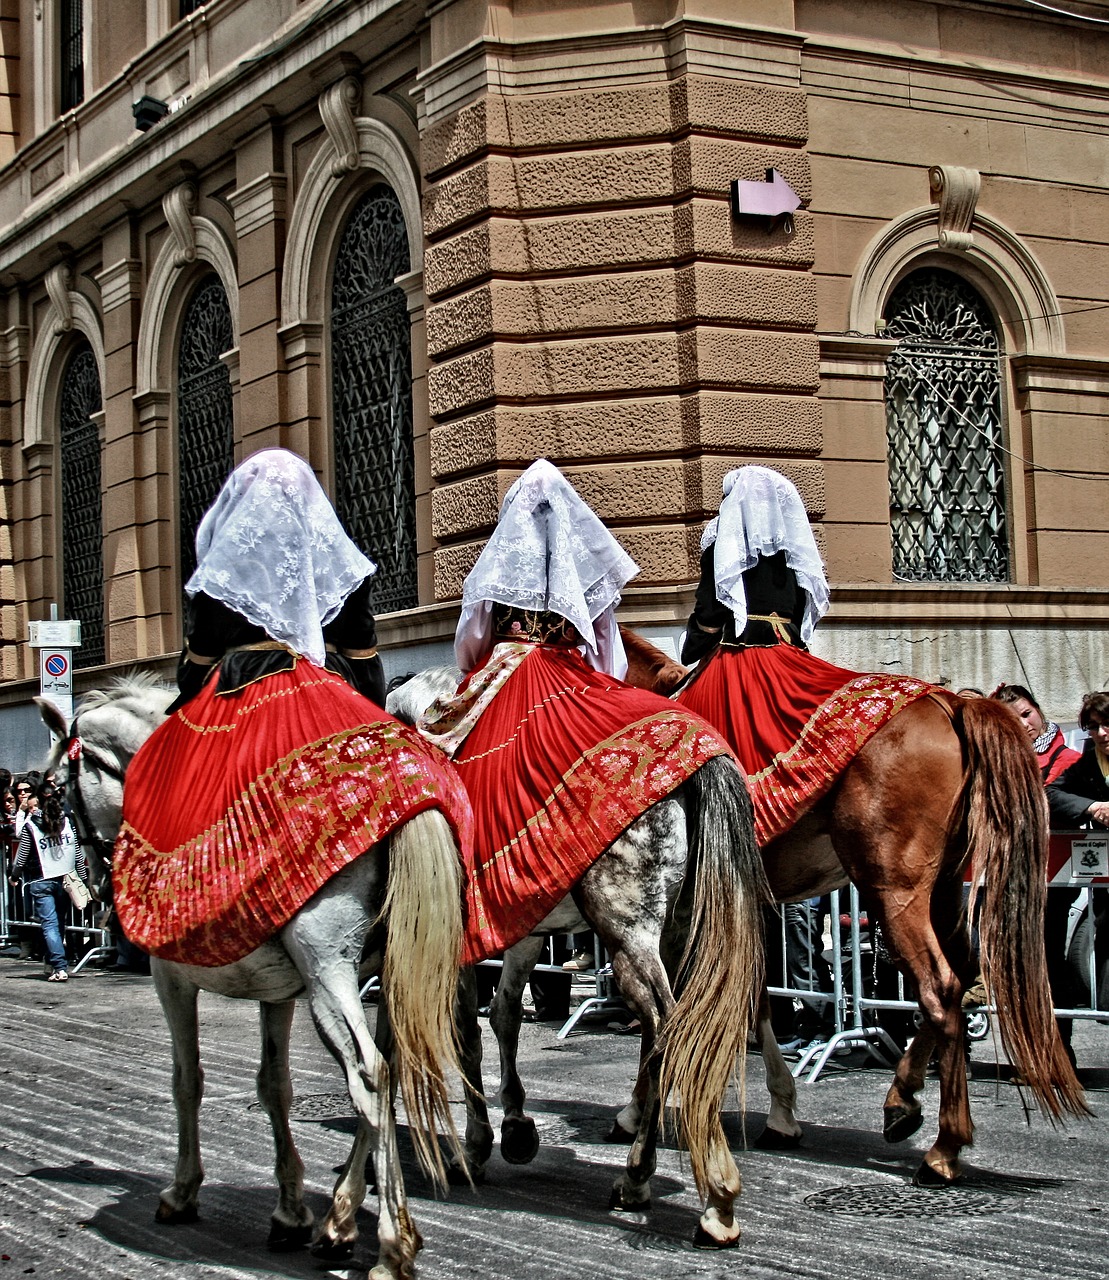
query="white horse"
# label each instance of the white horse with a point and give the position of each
(677, 900)
(396, 908)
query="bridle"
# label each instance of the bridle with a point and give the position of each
(88, 833)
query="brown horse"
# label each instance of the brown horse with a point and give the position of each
(948, 783)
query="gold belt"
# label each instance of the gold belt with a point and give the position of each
(780, 624)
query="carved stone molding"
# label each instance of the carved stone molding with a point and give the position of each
(997, 263)
(120, 283)
(259, 203)
(179, 205)
(337, 105)
(59, 280)
(315, 220)
(955, 190)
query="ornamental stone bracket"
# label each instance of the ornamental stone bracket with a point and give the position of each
(955, 190)
(337, 105)
(179, 205)
(59, 281)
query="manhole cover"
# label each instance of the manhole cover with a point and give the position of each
(883, 1200)
(316, 1106)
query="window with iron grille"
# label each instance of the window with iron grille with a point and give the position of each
(82, 529)
(944, 432)
(71, 62)
(371, 386)
(185, 7)
(205, 421)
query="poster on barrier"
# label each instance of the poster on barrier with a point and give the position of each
(1077, 857)
(1089, 858)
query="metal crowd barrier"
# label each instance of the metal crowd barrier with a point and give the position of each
(85, 933)
(1077, 859)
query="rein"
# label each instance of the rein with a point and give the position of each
(87, 831)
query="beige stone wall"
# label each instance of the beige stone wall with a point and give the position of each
(579, 287)
(590, 298)
(958, 85)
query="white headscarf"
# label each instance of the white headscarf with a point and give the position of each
(762, 514)
(550, 552)
(271, 547)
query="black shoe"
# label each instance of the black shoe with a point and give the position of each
(543, 1014)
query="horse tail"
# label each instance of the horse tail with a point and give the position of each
(1007, 837)
(423, 917)
(720, 975)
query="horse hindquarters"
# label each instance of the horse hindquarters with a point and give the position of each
(1007, 841)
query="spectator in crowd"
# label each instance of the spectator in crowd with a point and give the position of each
(1079, 798)
(1052, 753)
(48, 850)
(9, 807)
(26, 792)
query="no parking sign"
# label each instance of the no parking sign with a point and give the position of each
(56, 679)
(55, 641)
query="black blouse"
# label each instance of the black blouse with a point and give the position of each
(212, 629)
(771, 586)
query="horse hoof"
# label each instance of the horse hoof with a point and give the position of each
(519, 1141)
(931, 1178)
(617, 1202)
(901, 1123)
(168, 1216)
(285, 1239)
(703, 1240)
(618, 1134)
(458, 1177)
(332, 1250)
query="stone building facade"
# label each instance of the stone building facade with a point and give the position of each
(424, 243)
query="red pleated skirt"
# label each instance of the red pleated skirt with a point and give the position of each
(794, 721)
(559, 764)
(242, 805)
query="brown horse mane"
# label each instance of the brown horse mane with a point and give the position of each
(648, 666)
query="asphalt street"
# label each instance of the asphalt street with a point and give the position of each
(87, 1139)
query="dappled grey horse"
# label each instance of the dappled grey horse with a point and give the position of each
(677, 901)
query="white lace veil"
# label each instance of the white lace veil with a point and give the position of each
(271, 547)
(549, 551)
(762, 513)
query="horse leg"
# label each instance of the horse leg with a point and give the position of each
(519, 1137)
(325, 940)
(643, 984)
(902, 1112)
(939, 989)
(335, 1242)
(626, 1124)
(178, 996)
(291, 1224)
(479, 1132)
(782, 1132)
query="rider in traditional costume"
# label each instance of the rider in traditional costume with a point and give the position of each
(273, 770)
(558, 755)
(793, 720)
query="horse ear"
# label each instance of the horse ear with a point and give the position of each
(52, 718)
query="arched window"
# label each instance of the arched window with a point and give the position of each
(205, 421)
(371, 381)
(943, 428)
(82, 529)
